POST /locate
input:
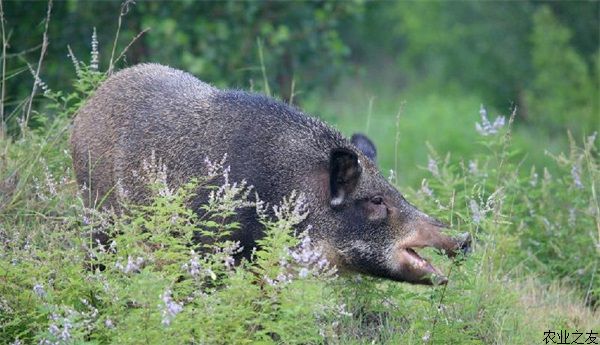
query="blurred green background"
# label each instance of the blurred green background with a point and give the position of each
(405, 73)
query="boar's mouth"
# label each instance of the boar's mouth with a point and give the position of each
(417, 269)
(411, 267)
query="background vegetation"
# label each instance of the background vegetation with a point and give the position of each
(484, 113)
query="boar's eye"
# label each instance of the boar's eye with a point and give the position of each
(377, 200)
(376, 209)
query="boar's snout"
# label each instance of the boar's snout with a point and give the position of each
(407, 265)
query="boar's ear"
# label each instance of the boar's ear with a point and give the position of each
(344, 172)
(365, 145)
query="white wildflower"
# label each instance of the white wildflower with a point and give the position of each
(572, 216)
(547, 177)
(432, 166)
(476, 213)
(38, 289)
(591, 139)
(425, 188)
(50, 182)
(310, 258)
(473, 168)
(281, 279)
(426, 337)
(193, 265)
(169, 308)
(76, 62)
(486, 128)
(155, 173)
(215, 169)
(132, 266)
(229, 195)
(60, 329)
(284, 278)
(293, 209)
(341, 309)
(576, 175)
(303, 272)
(229, 251)
(94, 53)
(392, 176)
(122, 193)
(533, 178)
(38, 81)
(261, 207)
(109, 324)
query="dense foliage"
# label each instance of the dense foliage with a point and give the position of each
(541, 56)
(218, 40)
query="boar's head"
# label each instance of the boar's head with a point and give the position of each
(371, 228)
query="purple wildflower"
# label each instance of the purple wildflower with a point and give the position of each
(38, 289)
(576, 175)
(486, 128)
(432, 166)
(169, 308)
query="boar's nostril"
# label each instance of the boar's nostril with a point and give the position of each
(464, 241)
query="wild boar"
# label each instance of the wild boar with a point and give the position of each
(359, 219)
